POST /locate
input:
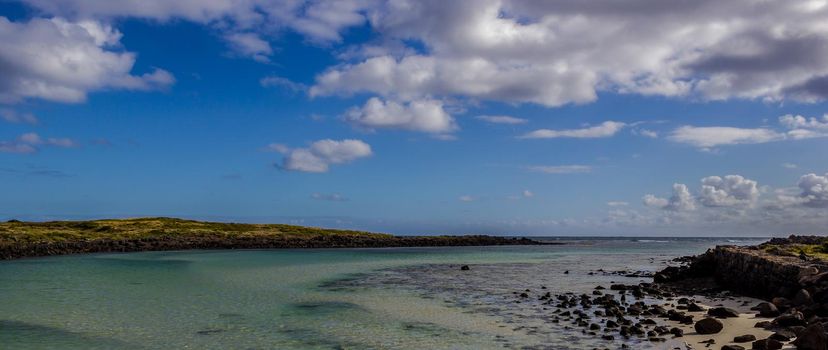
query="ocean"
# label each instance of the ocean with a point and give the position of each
(384, 298)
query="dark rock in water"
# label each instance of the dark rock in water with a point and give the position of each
(708, 326)
(812, 338)
(693, 307)
(744, 338)
(618, 287)
(783, 335)
(607, 337)
(766, 310)
(464, 268)
(566, 272)
(732, 347)
(767, 344)
(802, 297)
(611, 324)
(524, 295)
(722, 312)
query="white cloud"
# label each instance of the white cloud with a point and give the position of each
(681, 200)
(646, 133)
(799, 122)
(467, 198)
(713, 136)
(12, 116)
(814, 190)
(250, 45)
(331, 197)
(545, 52)
(527, 194)
(731, 190)
(59, 60)
(281, 82)
(535, 51)
(31, 143)
(321, 154)
(605, 129)
(561, 169)
(501, 119)
(317, 20)
(789, 166)
(617, 204)
(420, 115)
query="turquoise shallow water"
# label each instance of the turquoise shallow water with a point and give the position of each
(409, 298)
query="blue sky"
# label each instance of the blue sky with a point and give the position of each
(377, 115)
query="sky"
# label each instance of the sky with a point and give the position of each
(508, 117)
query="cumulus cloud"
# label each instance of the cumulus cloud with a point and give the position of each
(320, 155)
(713, 136)
(59, 60)
(32, 142)
(531, 51)
(561, 169)
(681, 200)
(731, 190)
(605, 129)
(519, 51)
(814, 190)
(14, 117)
(420, 115)
(501, 119)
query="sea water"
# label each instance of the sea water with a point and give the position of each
(382, 298)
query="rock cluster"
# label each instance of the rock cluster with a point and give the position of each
(796, 288)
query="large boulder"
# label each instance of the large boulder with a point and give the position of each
(767, 344)
(708, 326)
(766, 310)
(802, 297)
(744, 338)
(788, 320)
(722, 312)
(812, 338)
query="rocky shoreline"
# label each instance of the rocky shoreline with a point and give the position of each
(10, 251)
(793, 285)
(758, 297)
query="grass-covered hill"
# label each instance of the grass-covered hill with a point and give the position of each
(27, 239)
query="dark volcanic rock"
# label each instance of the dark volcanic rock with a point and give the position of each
(732, 347)
(744, 338)
(788, 320)
(783, 335)
(464, 268)
(708, 326)
(812, 338)
(766, 309)
(767, 344)
(722, 312)
(802, 297)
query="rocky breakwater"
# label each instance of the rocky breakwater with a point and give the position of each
(786, 272)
